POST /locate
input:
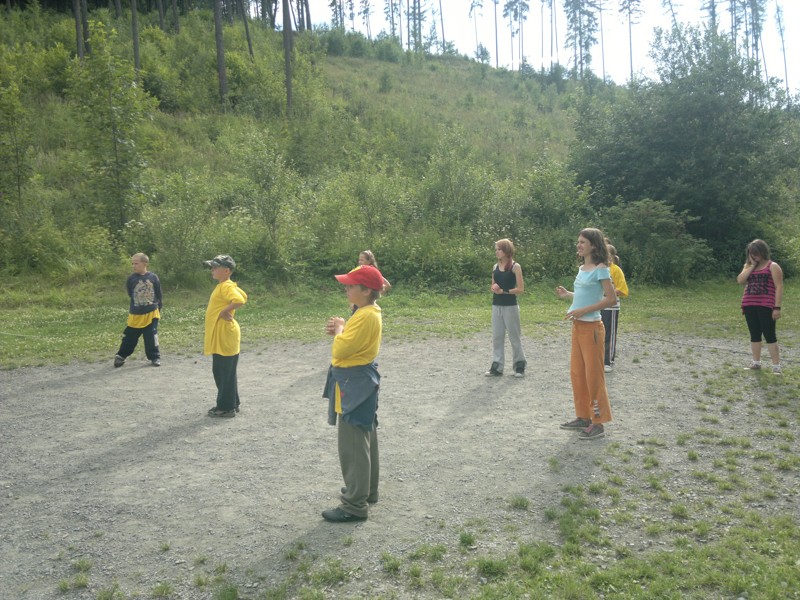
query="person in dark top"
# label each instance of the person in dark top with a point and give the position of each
(507, 284)
(144, 290)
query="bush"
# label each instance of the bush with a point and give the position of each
(653, 244)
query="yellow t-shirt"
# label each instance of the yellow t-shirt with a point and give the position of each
(223, 337)
(618, 277)
(360, 341)
(142, 321)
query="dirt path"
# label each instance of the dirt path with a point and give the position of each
(121, 467)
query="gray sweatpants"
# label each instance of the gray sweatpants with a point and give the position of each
(506, 319)
(359, 459)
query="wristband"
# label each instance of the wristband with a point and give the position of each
(776, 308)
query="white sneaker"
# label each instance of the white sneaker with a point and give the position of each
(519, 374)
(608, 368)
(754, 366)
(776, 370)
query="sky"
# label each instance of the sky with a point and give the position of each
(460, 30)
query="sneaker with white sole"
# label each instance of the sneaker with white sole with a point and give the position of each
(494, 370)
(119, 361)
(776, 370)
(754, 366)
(608, 368)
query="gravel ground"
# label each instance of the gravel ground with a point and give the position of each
(121, 470)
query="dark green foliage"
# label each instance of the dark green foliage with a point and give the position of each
(654, 246)
(710, 139)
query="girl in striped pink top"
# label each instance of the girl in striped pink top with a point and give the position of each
(761, 302)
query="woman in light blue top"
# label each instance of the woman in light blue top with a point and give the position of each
(594, 291)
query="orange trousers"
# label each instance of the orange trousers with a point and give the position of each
(586, 371)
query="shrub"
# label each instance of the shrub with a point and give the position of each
(653, 244)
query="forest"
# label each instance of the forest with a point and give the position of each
(197, 129)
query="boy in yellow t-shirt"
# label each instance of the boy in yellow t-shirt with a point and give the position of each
(352, 393)
(223, 335)
(144, 290)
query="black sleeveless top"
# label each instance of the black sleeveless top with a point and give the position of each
(506, 280)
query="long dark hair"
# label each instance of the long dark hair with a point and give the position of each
(598, 241)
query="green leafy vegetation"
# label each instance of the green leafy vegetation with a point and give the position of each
(426, 160)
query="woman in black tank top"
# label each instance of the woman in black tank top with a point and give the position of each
(507, 284)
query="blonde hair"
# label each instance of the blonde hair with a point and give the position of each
(506, 246)
(141, 257)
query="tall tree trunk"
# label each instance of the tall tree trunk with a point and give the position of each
(137, 65)
(161, 24)
(781, 32)
(118, 8)
(76, 8)
(85, 21)
(287, 54)
(175, 16)
(441, 21)
(307, 12)
(496, 39)
(602, 40)
(221, 72)
(245, 18)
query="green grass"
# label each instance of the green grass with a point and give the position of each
(707, 533)
(45, 325)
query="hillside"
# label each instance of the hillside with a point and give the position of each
(426, 160)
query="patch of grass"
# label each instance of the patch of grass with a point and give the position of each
(492, 568)
(391, 564)
(466, 539)
(82, 565)
(332, 572)
(163, 590)
(519, 503)
(431, 553)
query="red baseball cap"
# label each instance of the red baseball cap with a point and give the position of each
(365, 275)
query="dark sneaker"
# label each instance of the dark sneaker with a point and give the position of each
(225, 414)
(494, 370)
(519, 369)
(576, 425)
(370, 499)
(119, 361)
(591, 432)
(337, 515)
(156, 362)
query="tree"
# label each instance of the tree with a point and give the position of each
(222, 75)
(287, 54)
(245, 18)
(365, 12)
(337, 13)
(781, 32)
(76, 9)
(13, 138)
(137, 63)
(582, 32)
(474, 6)
(702, 139)
(112, 106)
(496, 37)
(631, 9)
